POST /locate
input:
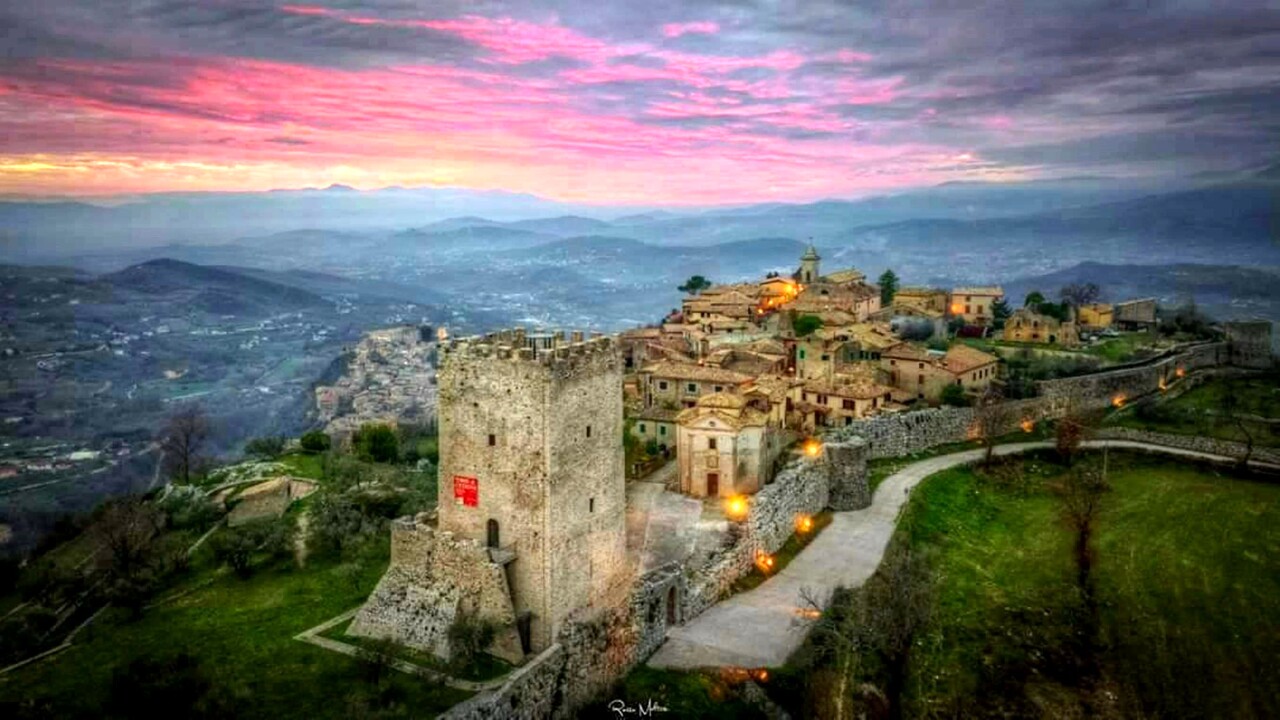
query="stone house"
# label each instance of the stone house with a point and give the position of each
(829, 351)
(923, 374)
(899, 316)
(1028, 326)
(727, 445)
(1135, 314)
(1096, 316)
(840, 400)
(973, 304)
(643, 346)
(858, 299)
(679, 385)
(657, 424)
(925, 298)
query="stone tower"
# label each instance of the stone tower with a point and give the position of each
(531, 466)
(809, 270)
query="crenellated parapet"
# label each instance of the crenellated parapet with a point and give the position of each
(563, 351)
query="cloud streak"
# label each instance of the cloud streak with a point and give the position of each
(711, 103)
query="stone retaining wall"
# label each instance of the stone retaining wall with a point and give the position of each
(912, 432)
(1198, 443)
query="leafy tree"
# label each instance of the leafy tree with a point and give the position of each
(806, 325)
(888, 287)
(377, 442)
(236, 547)
(695, 285)
(1033, 299)
(188, 507)
(1080, 294)
(315, 441)
(954, 395)
(1000, 312)
(265, 448)
(182, 441)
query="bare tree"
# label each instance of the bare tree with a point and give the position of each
(1072, 429)
(1080, 294)
(182, 440)
(992, 418)
(1233, 412)
(1081, 490)
(125, 536)
(884, 616)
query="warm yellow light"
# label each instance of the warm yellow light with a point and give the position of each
(1027, 425)
(804, 523)
(1118, 401)
(736, 507)
(812, 448)
(957, 309)
(762, 675)
(1180, 372)
(764, 561)
(1163, 385)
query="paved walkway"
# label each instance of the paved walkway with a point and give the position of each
(762, 627)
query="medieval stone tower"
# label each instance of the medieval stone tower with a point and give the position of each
(531, 466)
(809, 266)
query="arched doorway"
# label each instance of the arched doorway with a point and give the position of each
(492, 528)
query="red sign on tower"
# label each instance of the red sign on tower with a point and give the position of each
(466, 490)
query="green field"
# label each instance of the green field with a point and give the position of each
(1199, 411)
(1187, 578)
(241, 633)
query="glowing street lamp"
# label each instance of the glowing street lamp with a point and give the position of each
(764, 561)
(736, 507)
(1027, 425)
(812, 447)
(1118, 400)
(804, 523)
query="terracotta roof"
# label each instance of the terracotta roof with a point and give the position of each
(689, 371)
(766, 347)
(722, 400)
(845, 276)
(907, 351)
(857, 390)
(903, 309)
(961, 358)
(657, 413)
(773, 387)
(735, 418)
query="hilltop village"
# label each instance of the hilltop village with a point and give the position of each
(742, 370)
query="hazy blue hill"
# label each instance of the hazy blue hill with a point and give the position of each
(211, 289)
(472, 237)
(564, 225)
(321, 283)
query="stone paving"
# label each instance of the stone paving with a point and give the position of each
(762, 627)
(665, 526)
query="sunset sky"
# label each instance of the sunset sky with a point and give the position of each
(647, 102)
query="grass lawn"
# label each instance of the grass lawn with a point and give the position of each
(1188, 580)
(304, 465)
(241, 631)
(1121, 349)
(1196, 412)
(792, 547)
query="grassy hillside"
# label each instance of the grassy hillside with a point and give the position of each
(1187, 585)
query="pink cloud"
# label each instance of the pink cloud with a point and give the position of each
(673, 30)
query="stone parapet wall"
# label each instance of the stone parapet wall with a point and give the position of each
(898, 434)
(1197, 443)
(847, 468)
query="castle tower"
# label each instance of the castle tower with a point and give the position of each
(809, 270)
(531, 465)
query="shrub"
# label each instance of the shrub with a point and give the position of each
(954, 395)
(376, 442)
(315, 441)
(806, 325)
(187, 507)
(265, 448)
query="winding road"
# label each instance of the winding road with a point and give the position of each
(762, 627)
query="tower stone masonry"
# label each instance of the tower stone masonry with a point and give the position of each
(531, 466)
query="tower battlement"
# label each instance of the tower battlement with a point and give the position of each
(557, 348)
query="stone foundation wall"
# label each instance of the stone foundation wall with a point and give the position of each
(594, 650)
(1197, 443)
(847, 461)
(433, 579)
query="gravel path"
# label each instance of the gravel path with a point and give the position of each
(762, 627)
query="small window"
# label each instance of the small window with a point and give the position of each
(801, 353)
(662, 429)
(591, 505)
(692, 387)
(662, 384)
(719, 388)
(825, 357)
(493, 440)
(711, 443)
(641, 426)
(588, 431)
